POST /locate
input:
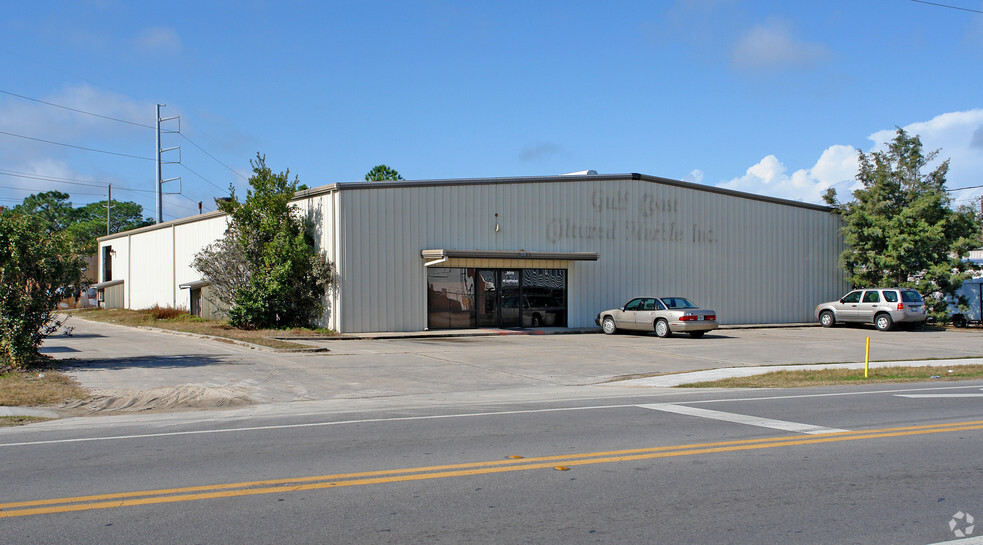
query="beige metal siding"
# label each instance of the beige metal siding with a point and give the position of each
(751, 260)
(320, 211)
(209, 310)
(113, 296)
(189, 240)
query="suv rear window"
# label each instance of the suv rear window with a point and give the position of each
(910, 296)
(891, 296)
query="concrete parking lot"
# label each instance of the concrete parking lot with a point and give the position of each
(184, 371)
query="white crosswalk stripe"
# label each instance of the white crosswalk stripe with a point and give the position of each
(740, 418)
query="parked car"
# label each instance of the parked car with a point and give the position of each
(532, 310)
(664, 315)
(882, 307)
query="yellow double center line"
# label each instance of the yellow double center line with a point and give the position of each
(297, 484)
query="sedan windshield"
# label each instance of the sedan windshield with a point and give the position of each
(678, 302)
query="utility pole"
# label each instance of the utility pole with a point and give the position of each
(159, 180)
(157, 183)
(109, 206)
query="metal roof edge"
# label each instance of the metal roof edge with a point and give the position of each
(164, 225)
(359, 185)
(363, 185)
(735, 193)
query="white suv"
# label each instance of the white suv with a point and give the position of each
(882, 307)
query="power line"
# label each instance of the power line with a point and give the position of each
(192, 142)
(234, 171)
(202, 177)
(947, 6)
(76, 147)
(68, 181)
(962, 188)
(76, 110)
(34, 190)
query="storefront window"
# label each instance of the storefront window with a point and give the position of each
(450, 298)
(466, 298)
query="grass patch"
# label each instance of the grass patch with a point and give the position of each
(8, 421)
(38, 387)
(180, 320)
(830, 377)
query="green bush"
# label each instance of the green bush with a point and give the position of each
(38, 268)
(266, 270)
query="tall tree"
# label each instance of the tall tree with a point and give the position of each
(51, 208)
(38, 267)
(266, 270)
(900, 229)
(90, 222)
(380, 173)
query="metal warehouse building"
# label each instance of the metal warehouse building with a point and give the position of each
(520, 252)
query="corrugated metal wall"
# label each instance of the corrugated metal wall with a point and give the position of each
(754, 261)
(151, 269)
(321, 211)
(751, 260)
(189, 239)
(153, 262)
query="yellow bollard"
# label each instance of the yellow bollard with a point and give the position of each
(867, 358)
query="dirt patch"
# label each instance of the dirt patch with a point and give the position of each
(164, 398)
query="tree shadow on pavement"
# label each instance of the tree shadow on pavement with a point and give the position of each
(163, 361)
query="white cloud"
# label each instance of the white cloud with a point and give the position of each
(773, 46)
(48, 174)
(161, 39)
(836, 167)
(31, 161)
(957, 136)
(38, 120)
(695, 176)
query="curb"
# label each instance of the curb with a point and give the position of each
(225, 340)
(28, 411)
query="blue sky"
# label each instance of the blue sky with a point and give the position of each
(770, 97)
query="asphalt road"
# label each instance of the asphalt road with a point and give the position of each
(890, 464)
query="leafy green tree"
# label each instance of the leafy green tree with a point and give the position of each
(52, 208)
(90, 222)
(900, 230)
(380, 173)
(38, 267)
(266, 270)
(84, 224)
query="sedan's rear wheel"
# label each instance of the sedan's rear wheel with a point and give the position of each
(883, 322)
(662, 328)
(827, 319)
(607, 325)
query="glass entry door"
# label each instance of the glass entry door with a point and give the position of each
(510, 292)
(500, 298)
(486, 294)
